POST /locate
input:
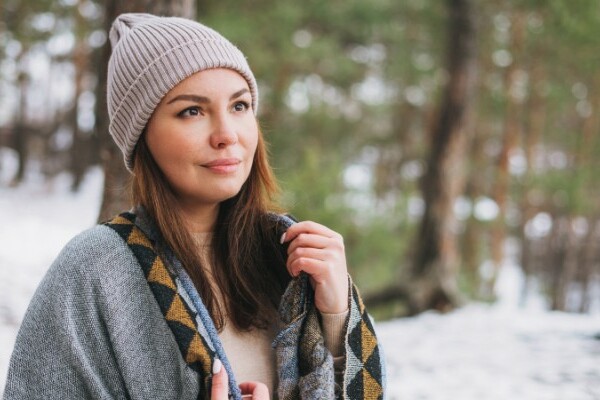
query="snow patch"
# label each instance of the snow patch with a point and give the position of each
(493, 353)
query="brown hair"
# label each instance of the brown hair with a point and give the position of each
(246, 256)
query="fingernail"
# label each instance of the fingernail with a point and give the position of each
(282, 240)
(216, 366)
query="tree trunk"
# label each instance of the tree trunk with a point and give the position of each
(532, 136)
(116, 177)
(471, 240)
(563, 252)
(21, 132)
(589, 259)
(435, 263)
(512, 131)
(80, 61)
(583, 162)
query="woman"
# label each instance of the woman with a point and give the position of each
(202, 284)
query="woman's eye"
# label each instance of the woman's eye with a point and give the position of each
(189, 112)
(241, 106)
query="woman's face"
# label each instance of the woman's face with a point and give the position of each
(203, 136)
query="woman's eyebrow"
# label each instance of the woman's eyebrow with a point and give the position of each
(190, 97)
(239, 93)
(202, 99)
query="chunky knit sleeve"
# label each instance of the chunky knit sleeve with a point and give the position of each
(94, 331)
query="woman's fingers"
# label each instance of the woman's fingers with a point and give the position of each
(220, 382)
(319, 252)
(257, 390)
(312, 240)
(307, 227)
(220, 385)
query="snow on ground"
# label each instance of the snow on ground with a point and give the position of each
(478, 352)
(36, 221)
(486, 352)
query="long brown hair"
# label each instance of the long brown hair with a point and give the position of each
(246, 257)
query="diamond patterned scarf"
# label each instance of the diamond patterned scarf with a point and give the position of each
(305, 366)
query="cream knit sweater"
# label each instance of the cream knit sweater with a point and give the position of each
(250, 353)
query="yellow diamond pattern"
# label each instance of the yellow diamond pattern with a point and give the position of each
(373, 390)
(368, 341)
(159, 274)
(178, 313)
(197, 352)
(137, 237)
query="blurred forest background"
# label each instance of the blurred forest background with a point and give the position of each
(443, 139)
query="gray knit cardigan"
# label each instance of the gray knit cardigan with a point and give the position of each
(94, 330)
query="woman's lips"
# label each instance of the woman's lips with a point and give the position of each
(223, 165)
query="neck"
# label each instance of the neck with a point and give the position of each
(200, 218)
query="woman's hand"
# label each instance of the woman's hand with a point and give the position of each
(220, 386)
(254, 390)
(319, 251)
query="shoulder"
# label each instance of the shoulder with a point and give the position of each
(79, 284)
(99, 240)
(96, 246)
(92, 260)
(94, 275)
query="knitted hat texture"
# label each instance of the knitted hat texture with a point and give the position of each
(150, 56)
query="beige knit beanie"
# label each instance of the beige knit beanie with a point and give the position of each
(150, 56)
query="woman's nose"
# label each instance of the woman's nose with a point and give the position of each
(224, 133)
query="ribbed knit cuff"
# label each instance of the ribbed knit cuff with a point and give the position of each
(334, 328)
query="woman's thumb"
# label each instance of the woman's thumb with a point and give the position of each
(220, 382)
